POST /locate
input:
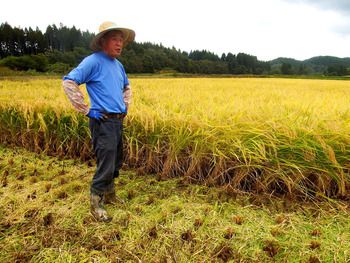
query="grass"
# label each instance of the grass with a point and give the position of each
(44, 217)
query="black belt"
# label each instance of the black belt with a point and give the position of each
(115, 115)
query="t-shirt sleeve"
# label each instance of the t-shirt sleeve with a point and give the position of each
(84, 72)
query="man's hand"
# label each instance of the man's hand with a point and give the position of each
(127, 96)
(94, 114)
(126, 106)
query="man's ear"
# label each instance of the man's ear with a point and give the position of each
(102, 41)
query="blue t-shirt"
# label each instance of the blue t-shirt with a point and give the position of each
(105, 80)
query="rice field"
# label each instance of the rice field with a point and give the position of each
(284, 137)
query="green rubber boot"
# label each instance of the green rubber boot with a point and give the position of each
(112, 198)
(97, 209)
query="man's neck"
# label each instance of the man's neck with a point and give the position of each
(107, 54)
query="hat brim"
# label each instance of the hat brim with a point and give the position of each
(128, 35)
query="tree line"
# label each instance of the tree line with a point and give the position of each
(60, 48)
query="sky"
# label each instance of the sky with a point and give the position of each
(267, 29)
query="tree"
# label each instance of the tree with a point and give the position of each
(231, 63)
(203, 55)
(337, 70)
(286, 69)
(64, 47)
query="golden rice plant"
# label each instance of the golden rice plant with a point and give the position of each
(282, 136)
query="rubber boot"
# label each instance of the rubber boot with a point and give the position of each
(97, 209)
(112, 198)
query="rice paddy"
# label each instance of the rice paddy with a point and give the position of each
(276, 152)
(280, 136)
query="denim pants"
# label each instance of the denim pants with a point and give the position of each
(108, 148)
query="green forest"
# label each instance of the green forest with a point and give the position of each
(60, 48)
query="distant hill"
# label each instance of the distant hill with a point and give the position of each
(328, 61)
(317, 64)
(281, 60)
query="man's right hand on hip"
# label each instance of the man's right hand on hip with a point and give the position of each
(94, 114)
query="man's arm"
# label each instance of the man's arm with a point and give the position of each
(75, 96)
(127, 94)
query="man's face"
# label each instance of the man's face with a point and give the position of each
(112, 43)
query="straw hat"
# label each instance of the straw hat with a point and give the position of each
(128, 34)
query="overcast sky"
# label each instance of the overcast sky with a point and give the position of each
(265, 28)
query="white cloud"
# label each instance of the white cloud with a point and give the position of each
(342, 6)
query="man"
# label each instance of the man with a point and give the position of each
(110, 94)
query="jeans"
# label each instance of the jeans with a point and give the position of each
(108, 148)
